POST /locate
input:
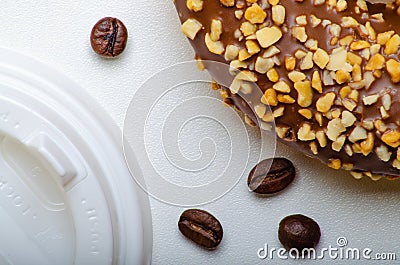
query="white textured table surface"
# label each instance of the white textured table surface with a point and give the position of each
(57, 33)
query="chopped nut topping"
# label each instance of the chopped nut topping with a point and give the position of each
(216, 29)
(384, 113)
(273, 75)
(252, 47)
(278, 14)
(269, 97)
(367, 145)
(239, 14)
(337, 59)
(321, 58)
(299, 33)
(349, 22)
(305, 133)
(359, 45)
(311, 44)
(278, 112)
(316, 82)
(334, 129)
(354, 59)
(383, 153)
(377, 61)
(286, 99)
(268, 36)
(273, 2)
(391, 138)
(338, 144)
(320, 135)
(281, 86)
(386, 101)
(260, 110)
(325, 102)
(255, 14)
(263, 65)
(392, 45)
(382, 38)
(247, 76)
(346, 40)
(248, 28)
(341, 5)
(319, 2)
(304, 93)
(369, 100)
(284, 132)
(214, 46)
(348, 118)
(358, 133)
(191, 27)
(307, 62)
(315, 21)
(235, 85)
(314, 148)
(335, 163)
(296, 76)
(194, 5)
(301, 20)
(306, 113)
(227, 2)
(342, 76)
(393, 68)
(231, 52)
(235, 65)
(290, 63)
(243, 55)
(271, 51)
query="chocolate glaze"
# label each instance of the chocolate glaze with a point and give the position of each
(213, 9)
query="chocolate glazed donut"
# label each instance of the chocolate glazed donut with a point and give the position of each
(328, 69)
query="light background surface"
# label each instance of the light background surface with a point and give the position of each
(57, 33)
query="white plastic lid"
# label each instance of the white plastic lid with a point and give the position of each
(66, 194)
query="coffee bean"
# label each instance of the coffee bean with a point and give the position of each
(271, 175)
(108, 37)
(299, 232)
(201, 227)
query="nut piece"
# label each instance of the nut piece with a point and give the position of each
(393, 68)
(273, 75)
(305, 94)
(358, 133)
(268, 36)
(334, 163)
(214, 46)
(306, 113)
(281, 86)
(369, 100)
(252, 47)
(348, 118)
(296, 76)
(194, 5)
(269, 97)
(247, 28)
(376, 62)
(316, 82)
(321, 58)
(227, 3)
(324, 103)
(290, 63)
(382, 38)
(278, 14)
(216, 29)
(263, 65)
(307, 62)
(392, 45)
(255, 14)
(191, 27)
(305, 133)
(299, 33)
(231, 52)
(391, 138)
(334, 129)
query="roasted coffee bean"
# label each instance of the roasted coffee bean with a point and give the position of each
(108, 37)
(201, 227)
(271, 175)
(299, 232)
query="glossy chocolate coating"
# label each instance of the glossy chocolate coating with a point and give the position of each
(213, 9)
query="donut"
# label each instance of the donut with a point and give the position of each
(329, 70)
